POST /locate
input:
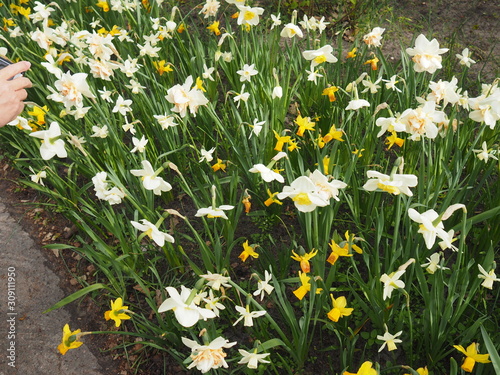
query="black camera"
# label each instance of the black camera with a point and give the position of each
(4, 62)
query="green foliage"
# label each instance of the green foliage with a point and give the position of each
(225, 215)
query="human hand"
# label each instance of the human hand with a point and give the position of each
(13, 92)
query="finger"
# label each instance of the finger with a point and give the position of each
(11, 70)
(20, 83)
(22, 94)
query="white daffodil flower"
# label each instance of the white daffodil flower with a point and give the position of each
(186, 312)
(51, 145)
(267, 174)
(208, 357)
(150, 230)
(247, 315)
(393, 184)
(389, 340)
(150, 180)
(426, 54)
(303, 192)
(252, 359)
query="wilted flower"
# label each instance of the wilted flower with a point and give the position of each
(426, 54)
(208, 357)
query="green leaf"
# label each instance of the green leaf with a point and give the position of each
(76, 295)
(494, 357)
(270, 344)
(59, 246)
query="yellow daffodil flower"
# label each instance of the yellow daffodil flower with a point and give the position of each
(69, 340)
(272, 199)
(162, 67)
(472, 356)
(214, 27)
(280, 141)
(365, 369)
(115, 30)
(358, 152)
(199, 84)
(117, 312)
(248, 250)
(339, 309)
(373, 62)
(219, 165)
(39, 113)
(333, 133)
(292, 145)
(304, 287)
(8, 23)
(421, 371)
(305, 266)
(326, 165)
(304, 124)
(352, 53)
(337, 252)
(393, 139)
(104, 5)
(350, 238)
(181, 28)
(330, 91)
